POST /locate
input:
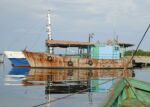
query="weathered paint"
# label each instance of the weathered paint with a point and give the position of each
(129, 92)
(40, 60)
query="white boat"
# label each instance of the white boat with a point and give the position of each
(17, 58)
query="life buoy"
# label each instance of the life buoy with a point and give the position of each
(70, 63)
(50, 58)
(90, 62)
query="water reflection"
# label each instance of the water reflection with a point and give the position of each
(65, 80)
(71, 75)
(16, 76)
(45, 85)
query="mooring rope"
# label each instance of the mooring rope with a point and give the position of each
(126, 66)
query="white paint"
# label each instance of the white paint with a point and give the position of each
(10, 84)
(14, 54)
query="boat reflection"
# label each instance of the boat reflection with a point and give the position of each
(65, 80)
(72, 80)
(16, 75)
(72, 74)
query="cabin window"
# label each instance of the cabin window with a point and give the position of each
(116, 48)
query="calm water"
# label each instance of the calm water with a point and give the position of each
(26, 87)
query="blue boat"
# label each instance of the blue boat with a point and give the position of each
(17, 58)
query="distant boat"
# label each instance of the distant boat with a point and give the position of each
(17, 58)
(129, 92)
(1, 58)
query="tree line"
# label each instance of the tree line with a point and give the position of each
(138, 53)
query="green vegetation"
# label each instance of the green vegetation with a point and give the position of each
(138, 53)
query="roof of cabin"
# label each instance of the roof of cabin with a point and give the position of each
(65, 44)
(125, 45)
(62, 43)
(121, 44)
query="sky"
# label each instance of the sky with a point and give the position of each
(23, 22)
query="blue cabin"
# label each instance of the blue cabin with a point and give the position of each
(109, 51)
(104, 51)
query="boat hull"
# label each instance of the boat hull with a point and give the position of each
(128, 92)
(19, 62)
(43, 60)
(17, 59)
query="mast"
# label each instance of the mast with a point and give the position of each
(49, 31)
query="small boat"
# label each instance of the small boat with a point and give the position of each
(128, 92)
(17, 58)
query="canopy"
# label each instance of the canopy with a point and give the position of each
(65, 44)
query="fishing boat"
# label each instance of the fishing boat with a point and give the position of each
(17, 58)
(88, 55)
(84, 59)
(129, 92)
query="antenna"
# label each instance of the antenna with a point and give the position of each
(50, 49)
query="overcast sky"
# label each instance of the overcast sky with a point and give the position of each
(23, 22)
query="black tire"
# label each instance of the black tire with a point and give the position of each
(50, 58)
(90, 62)
(70, 63)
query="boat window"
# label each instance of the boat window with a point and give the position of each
(116, 48)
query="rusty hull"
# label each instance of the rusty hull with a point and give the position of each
(40, 60)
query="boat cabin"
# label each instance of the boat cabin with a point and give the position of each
(83, 48)
(110, 50)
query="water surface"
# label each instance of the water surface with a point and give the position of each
(23, 87)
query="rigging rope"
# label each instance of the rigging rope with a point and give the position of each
(125, 68)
